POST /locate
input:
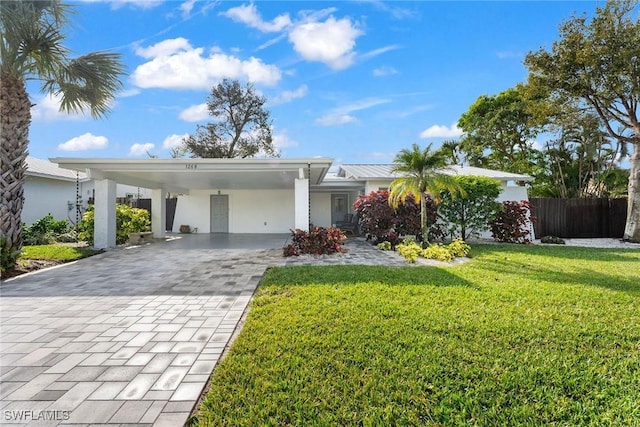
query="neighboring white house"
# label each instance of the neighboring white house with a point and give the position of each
(247, 195)
(50, 189)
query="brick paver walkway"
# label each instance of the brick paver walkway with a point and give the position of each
(131, 336)
(126, 337)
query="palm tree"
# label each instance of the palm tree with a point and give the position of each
(421, 171)
(32, 48)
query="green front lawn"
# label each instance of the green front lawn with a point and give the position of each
(519, 335)
(59, 253)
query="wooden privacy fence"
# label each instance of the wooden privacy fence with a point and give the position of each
(146, 204)
(580, 218)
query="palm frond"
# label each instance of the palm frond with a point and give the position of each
(31, 37)
(88, 83)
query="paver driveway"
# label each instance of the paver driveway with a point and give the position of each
(126, 337)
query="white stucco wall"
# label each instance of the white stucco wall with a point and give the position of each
(321, 209)
(370, 186)
(43, 196)
(250, 211)
(514, 193)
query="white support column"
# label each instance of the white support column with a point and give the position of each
(158, 212)
(104, 227)
(302, 204)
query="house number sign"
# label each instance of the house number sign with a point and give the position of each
(191, 166)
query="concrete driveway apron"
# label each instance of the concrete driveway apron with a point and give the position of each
(126, 337)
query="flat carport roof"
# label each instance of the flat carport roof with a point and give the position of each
(183, 175)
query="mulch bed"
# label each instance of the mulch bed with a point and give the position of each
(27, 266)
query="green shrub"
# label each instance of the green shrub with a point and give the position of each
(469, 215)
(409, 251)
(554, 240)
(384, 246)
(128, 220)
(318, 241)
(438, 252)
(45, 231)
(458, 248)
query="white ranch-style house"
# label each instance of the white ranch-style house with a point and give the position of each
(245, 195)
(50, 189)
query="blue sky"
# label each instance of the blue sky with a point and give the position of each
(356, 81)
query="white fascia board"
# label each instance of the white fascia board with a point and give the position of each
(56, 177)
(181, 164)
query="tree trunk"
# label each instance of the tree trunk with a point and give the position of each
(423, 220)
(632, 228)
(15, 119)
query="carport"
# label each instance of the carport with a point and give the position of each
(267, 196)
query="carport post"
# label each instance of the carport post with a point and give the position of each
(158, 212)
(104, 227)
(301, 200)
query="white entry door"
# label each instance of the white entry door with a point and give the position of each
(220, 213)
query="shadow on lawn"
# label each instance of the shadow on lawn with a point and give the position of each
(509, 269)
(349, 274)
(562, 251)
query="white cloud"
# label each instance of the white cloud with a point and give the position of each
(290, 95)
(379, 51)
(315, 34)
(384, 71)
(164, 48)
(129, 92)
(175, 64)
(249, 15)
(282, 140)
(186, 8)
(195, 113)
(437, 131)
(335, 119)
(173, 141)
(47, 109)
(395, 11)
(330, 42)
(342, 115)
(140, 149)
(88, 141)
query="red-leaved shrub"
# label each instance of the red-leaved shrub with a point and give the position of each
(317, 241)
(378, 220)
(512, 224)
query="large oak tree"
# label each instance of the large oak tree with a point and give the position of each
(597, 62)
(241, 126)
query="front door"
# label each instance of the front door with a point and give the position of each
(339, 207)
(220, 213)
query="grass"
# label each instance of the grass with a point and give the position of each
(58, 253)
(518, 336)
